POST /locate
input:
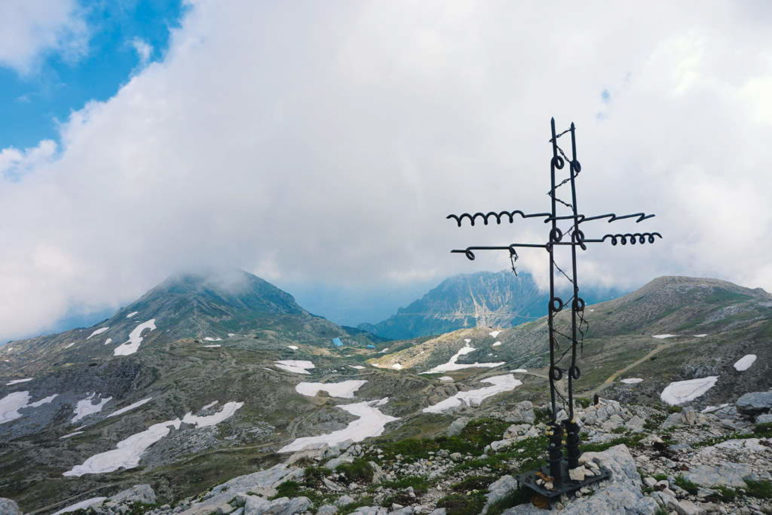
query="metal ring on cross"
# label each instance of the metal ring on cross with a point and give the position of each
(578, 304)
(557, 162)
(556, 373)
(469, 254)
(556, 235)
(578, 237)
(556, 304)
(576, 166)
(575, 372)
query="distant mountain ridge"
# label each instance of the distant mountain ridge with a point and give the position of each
(482, 299)
(204, 306)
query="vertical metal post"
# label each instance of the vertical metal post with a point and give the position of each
(555, 450)
(572, 428)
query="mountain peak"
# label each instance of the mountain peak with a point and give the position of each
(229, 298)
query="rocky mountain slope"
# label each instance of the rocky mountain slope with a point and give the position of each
(483, 299)
(228, 383)
(672, 328)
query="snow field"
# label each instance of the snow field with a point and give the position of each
(296, 366)
(135, 339)
(502, 383)
(344, 389)
(370, 422)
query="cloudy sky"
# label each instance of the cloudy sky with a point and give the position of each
(321, 144)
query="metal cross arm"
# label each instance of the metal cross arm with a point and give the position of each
(548, 217)
(624, 239)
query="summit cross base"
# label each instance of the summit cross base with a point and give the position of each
(539, 480)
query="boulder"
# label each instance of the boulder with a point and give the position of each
(327, 509)
(136, 494)
(635, 424)
(286, 506)
(672, 420)
(499, 489)
(263, 482)
(499, 445)
(720, 474)
(458, 425)
(9, 507)
(370, 510)
(343, 500)
(764, 418)
(333, 463)
(522, 413)
(754, 403)
(254, 505)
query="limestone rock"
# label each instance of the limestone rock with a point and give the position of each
(578, 473)
(333, 463)
(263, 482)
(754, 403)
(500, 488)
(764, 418)
(136, 494)
(723, 474)
(343, 500)
(9, 507)
(522, 413)
(370, 510)
(457, 426)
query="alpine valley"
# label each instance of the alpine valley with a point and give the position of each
(218, 393)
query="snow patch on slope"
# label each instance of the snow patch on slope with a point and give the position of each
(344, 389)
(85, 407)
(451, 365)
(227, 411)
(296, 366)
(502, 383)
(19, 381)
(129, 407)
(128, 452)
(371, 422)
(745, 362)
(680, 392)
(97, 332)
(135, 339)
(11, 404)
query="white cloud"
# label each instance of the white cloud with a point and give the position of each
(14, 163)
(144, 51)
(328, 141)
(28, 29)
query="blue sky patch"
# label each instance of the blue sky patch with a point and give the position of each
(34, 104)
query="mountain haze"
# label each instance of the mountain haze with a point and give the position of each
(482, 299)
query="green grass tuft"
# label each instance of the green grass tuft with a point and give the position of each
(760, 489)
(687, 485)
(358, 471)
(462, 504)
(516, 497)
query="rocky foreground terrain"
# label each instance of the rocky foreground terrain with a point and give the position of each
(679, 461)
(220, 395)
